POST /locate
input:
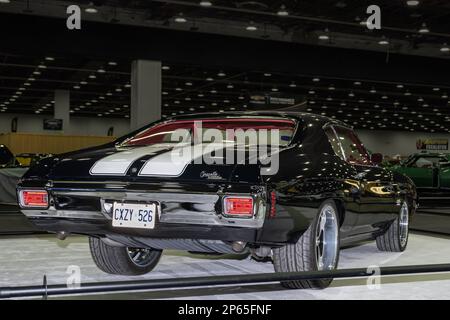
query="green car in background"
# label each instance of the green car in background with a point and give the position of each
(430, 172)
(427, 170)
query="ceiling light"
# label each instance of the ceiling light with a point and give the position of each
(83, 82)
(331, 88)
(283, 11)
(251, 27)
(127, 85)
(325, 35)
(42, 66)
(230, 86)
(424, 28)
(315, 79)
(112, 63)
(76, 87)
(180, 18)
(205, 3)
(5, 1)
(412, 3)
(91, 8)
(383, 41)
(445, 48)
(293, 85)
(165, 67)
(221, 74)
(209, 79)
(101, 71)
(275, 89)
(436, 89)
(36, 72)
(92, 76)
(373, 90)
(49, 58)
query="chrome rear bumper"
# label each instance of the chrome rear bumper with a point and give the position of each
(177, 208)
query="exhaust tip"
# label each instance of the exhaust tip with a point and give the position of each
(238, 246)
(62, 235)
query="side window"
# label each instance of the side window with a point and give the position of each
(354, 150)
(334, 142)
(426, 162)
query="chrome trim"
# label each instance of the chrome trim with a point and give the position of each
(68, 214)
(204, 203)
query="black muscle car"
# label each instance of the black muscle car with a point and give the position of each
(147, 192)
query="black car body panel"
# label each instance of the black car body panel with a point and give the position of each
(367, 196)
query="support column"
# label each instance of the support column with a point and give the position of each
(62, 108)
(145, 92)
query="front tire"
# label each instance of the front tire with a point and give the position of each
(395, 239)
(316, 250)
(123, 260)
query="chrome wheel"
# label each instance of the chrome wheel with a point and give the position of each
(326, 244)
(404, 224)
(140, 257)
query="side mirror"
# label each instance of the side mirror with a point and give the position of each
(376, 158)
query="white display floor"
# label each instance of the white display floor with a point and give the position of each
(25, 260)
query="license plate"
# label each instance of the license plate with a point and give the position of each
(138, 216)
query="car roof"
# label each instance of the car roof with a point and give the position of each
(304, 116)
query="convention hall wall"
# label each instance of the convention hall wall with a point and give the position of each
(396, 142)
(95, 126)
(385, 142)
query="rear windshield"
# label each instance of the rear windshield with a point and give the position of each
(250, 132)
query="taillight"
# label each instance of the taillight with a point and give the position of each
(273, 204)
(33, 198)
(238, 206)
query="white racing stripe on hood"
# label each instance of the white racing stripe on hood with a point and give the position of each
(118, 163)
(174, 162)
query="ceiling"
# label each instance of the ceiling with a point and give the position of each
(422, 28)
(100, 86)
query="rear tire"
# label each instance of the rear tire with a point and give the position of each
(395, 239)
(317, 249)
(123, 260)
